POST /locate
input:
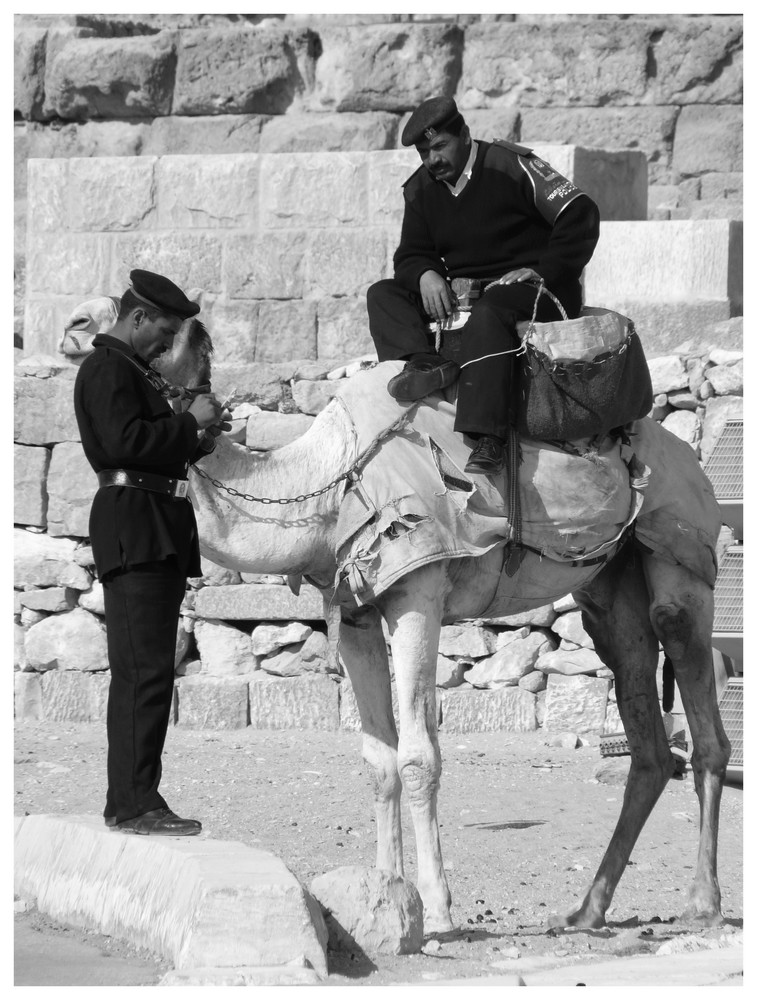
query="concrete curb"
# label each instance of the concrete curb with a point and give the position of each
(211, 907)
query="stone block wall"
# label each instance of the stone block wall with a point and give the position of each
(668, 86)
(250, 652)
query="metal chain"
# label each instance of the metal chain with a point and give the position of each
(352, 475)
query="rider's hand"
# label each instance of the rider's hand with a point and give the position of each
(438, 298)
(519, 274)
(205, 409)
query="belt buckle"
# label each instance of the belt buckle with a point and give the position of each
(180, 490)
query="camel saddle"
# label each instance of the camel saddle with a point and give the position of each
(414, 505)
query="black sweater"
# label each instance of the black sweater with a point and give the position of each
(492, 227)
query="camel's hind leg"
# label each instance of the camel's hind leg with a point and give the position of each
(682, 613)
(413, 611)
(615, 610)
(362, 648)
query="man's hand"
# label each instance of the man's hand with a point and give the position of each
(519, 274)
(439, 302)
(206, 410)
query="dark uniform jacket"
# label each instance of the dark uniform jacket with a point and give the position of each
(125, 423)
(515, 211)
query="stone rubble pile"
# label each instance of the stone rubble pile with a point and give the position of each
(250, 652)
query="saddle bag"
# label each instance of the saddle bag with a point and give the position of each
(580, 377)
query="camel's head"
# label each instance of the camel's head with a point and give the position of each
(85, 322)
(187, 364)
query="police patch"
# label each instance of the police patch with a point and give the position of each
(552, 191)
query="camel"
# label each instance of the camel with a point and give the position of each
(631, 604)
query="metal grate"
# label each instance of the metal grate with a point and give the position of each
(729, 592)
(732, 714)
(725, 466)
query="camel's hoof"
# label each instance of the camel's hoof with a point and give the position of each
(702, 918)
(577, 919)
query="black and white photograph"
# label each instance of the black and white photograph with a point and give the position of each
(378, 536)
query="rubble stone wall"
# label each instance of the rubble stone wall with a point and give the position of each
(249, 651)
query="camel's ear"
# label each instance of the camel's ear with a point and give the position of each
(294, 583)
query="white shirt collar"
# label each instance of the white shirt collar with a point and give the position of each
(465, 176)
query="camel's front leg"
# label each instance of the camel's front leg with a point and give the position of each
(362, 648)
(615, 613)
(413, 611)
(682, 613)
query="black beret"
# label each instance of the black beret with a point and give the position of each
(430, 117)
(161, 293)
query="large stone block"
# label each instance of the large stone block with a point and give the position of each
(387, 172)
(616, 180)
(74, 697)
(563, 65)
(47, 195)
(671, 262)
(343, 328)
(29, 47)
(285, 330)
(576, 704)
(110, 77)
(206, 906)
(696, 60)
(313, 397)
(27, 701)
(192, 260)
(89, 139)
(305, 702)
(50, 599)
(665, 326)
(341, 132)
(212, 702)
(345, 262)
(30, 467)
(314, 190)
(112, 193)
(264, 385)
(199, 134)
(208, 191)
(499, 123)
(71, 488)
(718, 410)
(234, 326)
(465, 710)
(259, 602)
(42, 561)
(72, 641)
(250, 71)
(386, 67)
(63, 263)
(43, 410)
(266, 265)
(709, 138)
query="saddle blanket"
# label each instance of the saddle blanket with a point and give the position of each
(414, 504)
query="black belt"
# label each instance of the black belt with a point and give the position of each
(174, 488)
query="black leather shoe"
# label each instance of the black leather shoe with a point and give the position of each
(160, 823)
(110, 820)
(488, 458)
(420, 376)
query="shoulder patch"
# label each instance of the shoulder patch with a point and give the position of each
(552, 191)
(513, 147)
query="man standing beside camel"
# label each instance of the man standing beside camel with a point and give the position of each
(144, 535)
(493, 213)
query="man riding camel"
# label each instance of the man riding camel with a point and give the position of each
(491, 212)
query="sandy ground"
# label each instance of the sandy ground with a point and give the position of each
(523, 828)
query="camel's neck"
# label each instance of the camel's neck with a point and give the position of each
(294, 538)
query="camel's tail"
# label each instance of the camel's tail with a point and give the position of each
(668, 685)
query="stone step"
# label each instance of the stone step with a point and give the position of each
(259, 602)
(202, 903)
(667, 262)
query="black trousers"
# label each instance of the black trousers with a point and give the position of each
(486, 388)
(141, 617)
